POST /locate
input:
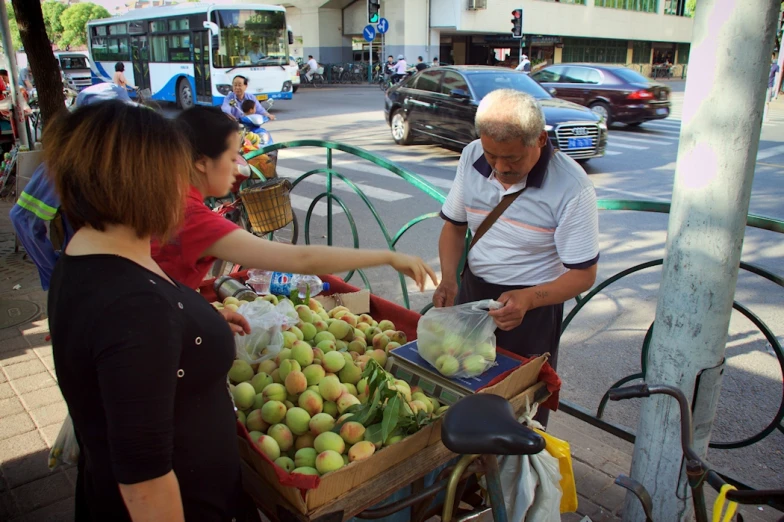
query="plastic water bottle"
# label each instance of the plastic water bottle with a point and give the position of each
(282, 283)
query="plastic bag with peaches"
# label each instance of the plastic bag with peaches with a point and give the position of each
(459, 341)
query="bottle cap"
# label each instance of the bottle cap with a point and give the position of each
(326, 286)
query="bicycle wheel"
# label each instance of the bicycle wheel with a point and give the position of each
(288, 234)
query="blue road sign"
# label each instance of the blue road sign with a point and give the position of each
(369, 33)
(383, 26)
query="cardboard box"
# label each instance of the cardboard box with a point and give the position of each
(519, 386)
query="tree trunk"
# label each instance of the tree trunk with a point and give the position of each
(40, 57)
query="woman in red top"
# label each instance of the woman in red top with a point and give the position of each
(207, 236)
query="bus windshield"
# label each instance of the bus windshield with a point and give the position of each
(250, 38)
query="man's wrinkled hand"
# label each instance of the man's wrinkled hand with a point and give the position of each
(445, 294)
(516, 305)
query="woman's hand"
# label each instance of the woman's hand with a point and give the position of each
(272, 116)
(237, 322)
(414, 268)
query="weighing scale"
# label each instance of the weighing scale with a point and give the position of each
(406, 364)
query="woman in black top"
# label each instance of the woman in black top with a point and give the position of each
(141, 360)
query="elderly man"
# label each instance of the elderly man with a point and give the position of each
(532, 213)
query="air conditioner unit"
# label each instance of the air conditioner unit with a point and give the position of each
(473, 5)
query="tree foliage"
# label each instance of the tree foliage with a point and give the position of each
(52, 11)
(12, 25)
(74, 22)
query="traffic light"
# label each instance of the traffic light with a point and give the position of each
(374, 6)
(517, 23)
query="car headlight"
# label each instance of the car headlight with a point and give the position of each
(602, 124)
(265, 138)
(548, 128)
(224, 89)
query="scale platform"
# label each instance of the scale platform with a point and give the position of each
(406, 364)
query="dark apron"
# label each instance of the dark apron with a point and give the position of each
(539, 332)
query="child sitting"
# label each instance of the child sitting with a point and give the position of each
(248, 107)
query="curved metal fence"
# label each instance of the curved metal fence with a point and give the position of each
(391, 238)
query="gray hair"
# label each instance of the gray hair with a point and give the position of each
(507, 114)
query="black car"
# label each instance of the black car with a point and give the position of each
(616, 93)
(440, 103)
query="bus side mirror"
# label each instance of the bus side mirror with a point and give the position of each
(291, 37)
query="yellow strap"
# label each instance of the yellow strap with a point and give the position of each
(718, 506)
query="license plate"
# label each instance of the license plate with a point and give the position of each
(262, 97)
(579, 143)
(663, 110)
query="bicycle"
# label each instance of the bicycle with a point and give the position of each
(315, 80)
(698, 472)
(480, 427)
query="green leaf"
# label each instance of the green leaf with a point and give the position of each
(391, 417)
(373, 434)
(307, 296)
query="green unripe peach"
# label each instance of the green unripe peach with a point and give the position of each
(306, 471)
(255, 422)
(274, 392)
(330, 388)
(282, 435)
(273, 412)
(288, 366)
(352, 432)
(296, 382)
(321, 423)
(305, 457)
(240, 371)
(361, 450)
(302, 352)
(329, 461)
(333, 361)
(285, 463)
(269, 447)
(297, 332)
(298, 420)
(314, 374)
(311, 402)
(330, 408)
(241, 416)
(260, 381)
(243, 394)
(329, 441)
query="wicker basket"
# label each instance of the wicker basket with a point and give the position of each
(268, 205)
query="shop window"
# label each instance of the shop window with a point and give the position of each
(683, 53)
(452, 81)
(158, 26)
(641, 52)
(645, 6)
(428, 81)
(594, 50)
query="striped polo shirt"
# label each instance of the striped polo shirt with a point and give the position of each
(551, 227)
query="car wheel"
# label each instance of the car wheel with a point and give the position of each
(401, 130)
(294, 89)
(603, 110)
(184, 94)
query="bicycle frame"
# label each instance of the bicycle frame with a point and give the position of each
(698, 471)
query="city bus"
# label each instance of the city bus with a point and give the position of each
(189, 53)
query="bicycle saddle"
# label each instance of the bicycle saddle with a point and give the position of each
(485, 424)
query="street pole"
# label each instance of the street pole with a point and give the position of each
(710, 201)
(16, 99)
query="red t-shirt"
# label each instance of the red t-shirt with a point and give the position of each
(181, 257)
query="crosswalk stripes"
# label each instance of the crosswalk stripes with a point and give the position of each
(612, 144)
(770, 152)
(637, 140)
(370, 191)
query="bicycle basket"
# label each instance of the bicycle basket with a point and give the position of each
(268, 205)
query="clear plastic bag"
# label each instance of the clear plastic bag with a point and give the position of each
(65, 449)
(267, 322)
(459, 341)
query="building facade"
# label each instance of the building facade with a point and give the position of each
(639, 32)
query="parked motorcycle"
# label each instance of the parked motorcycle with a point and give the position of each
(255, 136)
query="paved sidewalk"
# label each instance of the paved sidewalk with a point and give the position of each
(32, 409)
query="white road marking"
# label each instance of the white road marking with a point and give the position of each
(612, 153)
(611, 143)
(303, 203)
(370, 191)
(638, 140)
(639, 195)
(638, 135)
(770, 152)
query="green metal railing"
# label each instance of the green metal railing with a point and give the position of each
(331, 175)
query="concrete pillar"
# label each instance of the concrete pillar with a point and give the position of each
(322, 34)
(558, 55)
(710, 202)
(409, 29)
(629, 52)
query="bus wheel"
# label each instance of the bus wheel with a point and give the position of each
(184, 94)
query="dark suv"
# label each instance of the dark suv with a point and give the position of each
(616, 93)
(440, 103)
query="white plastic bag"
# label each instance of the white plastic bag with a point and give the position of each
(65, 449)
(267, 322)
(459, 341)
(531, 483)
